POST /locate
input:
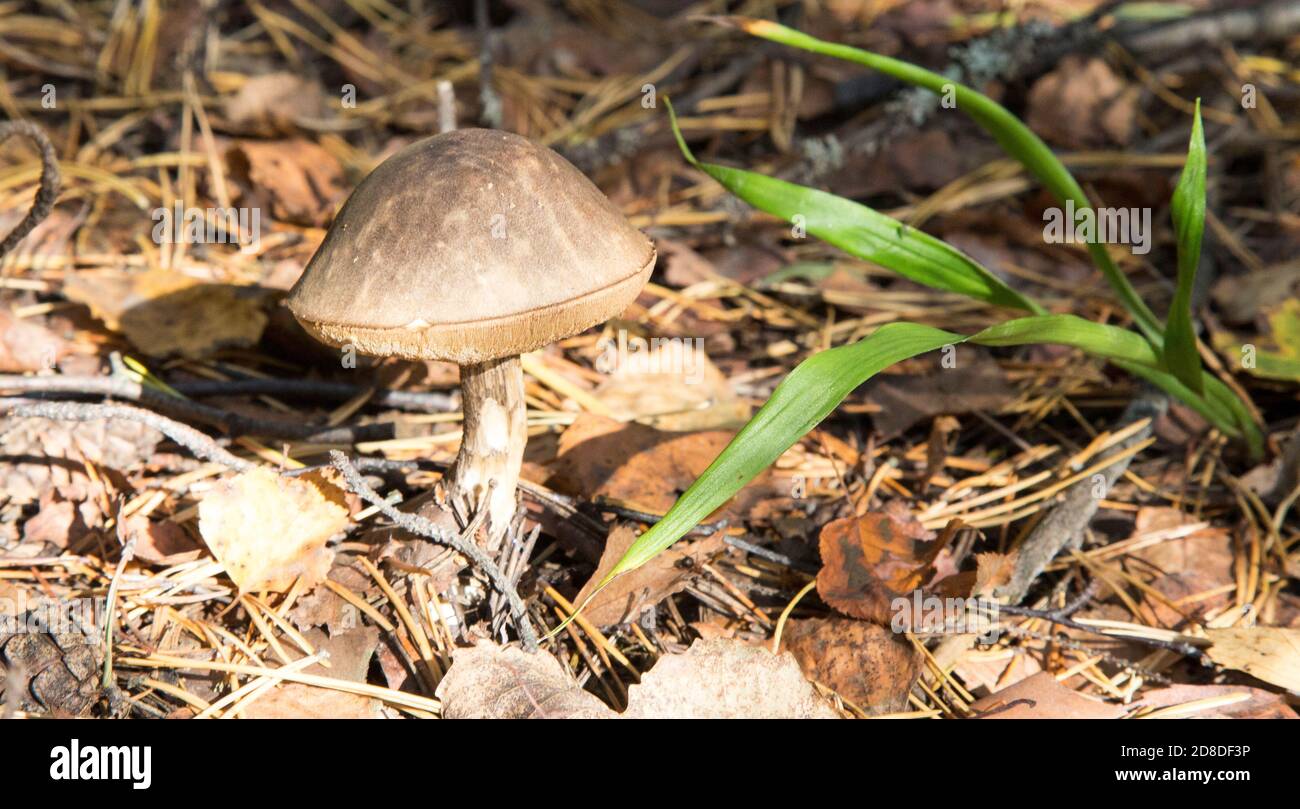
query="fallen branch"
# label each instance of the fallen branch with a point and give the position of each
(1065, 523)
(201, 445)
(414, 401)
(119, 387)
(50, 180)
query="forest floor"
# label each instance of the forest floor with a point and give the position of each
(174, 541)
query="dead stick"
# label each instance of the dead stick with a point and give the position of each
(50, 180)
(196, 442)
(1065, 523)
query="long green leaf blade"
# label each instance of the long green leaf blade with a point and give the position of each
(818, 384)
(865, 233)
(1012, 135)
(1098, 339)
(1188, 210)
(812, 390)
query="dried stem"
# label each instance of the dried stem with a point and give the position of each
(50, 180)
(422, 527)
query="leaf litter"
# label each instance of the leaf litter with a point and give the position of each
(265, 591)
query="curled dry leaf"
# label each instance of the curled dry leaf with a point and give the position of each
(267, 530)
(636, 464)
(866, 664)
(165, 313)
(301, 181)
(870, 561)
(27, 346)
(1269, 653)
(638, 590)
(1042, 697)
(717, 679)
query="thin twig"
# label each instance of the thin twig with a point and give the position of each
(234, 423)
(196, 442)
(414, 401)
(1065, 523)
(50, 180)
(417, 524)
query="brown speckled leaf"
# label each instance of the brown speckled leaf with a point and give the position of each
(866, 664)
(267, 530)
(869, 561)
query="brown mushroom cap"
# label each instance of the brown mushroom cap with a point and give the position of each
(469, 246)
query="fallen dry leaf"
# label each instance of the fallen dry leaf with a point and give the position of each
(1182, 569)
(636, 591)
(726, 679)
(322, 607)
(59, 523)
(1268, 653)
(1083, 103)
(301, 181)
(976, 383)
(160, 542)
(671, 385)
(1042, 697)
(1234, 702)
(27, 346)
(298, 701)
(107, 443)
(636, 464)
(869, 561)
(682, 266)
(713, 679)
(985, 671)
(165, 313)
(487, 681)
(349, 655)
(866, 664)
(267, 530)
(270, 104)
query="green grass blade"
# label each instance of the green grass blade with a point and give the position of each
(1012, 135)
(1224, 397)
(818, 384)
(1217, 404)
(865, 233)
(1098, 339)
(812, 390)
(1188, 210)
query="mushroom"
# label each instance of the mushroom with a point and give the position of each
(473, 246)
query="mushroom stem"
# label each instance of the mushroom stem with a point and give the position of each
(492, 446)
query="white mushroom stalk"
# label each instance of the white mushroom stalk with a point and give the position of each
(492, 444)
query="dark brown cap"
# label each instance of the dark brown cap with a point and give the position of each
(469, 246)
